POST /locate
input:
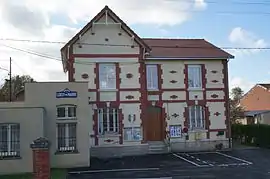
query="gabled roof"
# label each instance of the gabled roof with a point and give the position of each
(184, 48)
(110, 13)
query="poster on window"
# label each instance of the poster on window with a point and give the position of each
(175, 130)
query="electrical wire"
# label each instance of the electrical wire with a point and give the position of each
(123, 45)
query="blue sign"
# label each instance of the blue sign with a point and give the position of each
(66, 93)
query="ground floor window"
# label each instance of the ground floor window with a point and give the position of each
(66, 137)
(108, 121)
(132, 134)
(196, 117)
(9, 140)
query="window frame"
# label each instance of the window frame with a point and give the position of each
(66, 106)
(16, 142)
(200, 76)
(152, 79)
(202, 117)
(116, 122)
(100, 74)
(68, 148)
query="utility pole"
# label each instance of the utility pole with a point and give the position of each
(10, 83)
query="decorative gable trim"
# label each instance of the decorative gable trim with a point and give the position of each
(111, 14)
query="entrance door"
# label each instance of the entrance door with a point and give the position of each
(154, 124)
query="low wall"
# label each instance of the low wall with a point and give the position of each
(201, 145)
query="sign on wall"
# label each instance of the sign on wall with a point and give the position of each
(175, 130)
(66, 93)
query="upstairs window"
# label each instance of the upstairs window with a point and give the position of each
(108, 120)
(66, 112)
(107, 76)
(152, 77)
(196, 117)
(194, 76)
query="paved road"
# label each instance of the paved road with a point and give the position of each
(248, 164)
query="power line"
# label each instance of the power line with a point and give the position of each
(123, 45)
(54, 58)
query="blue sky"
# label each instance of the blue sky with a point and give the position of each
(241, 26)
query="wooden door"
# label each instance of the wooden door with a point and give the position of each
(154, 124)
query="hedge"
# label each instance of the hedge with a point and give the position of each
(252, 134)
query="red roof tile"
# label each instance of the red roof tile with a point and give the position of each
(184, 48)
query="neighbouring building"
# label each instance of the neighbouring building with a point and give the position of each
(58, 111)
(126, 95)
(256, 104)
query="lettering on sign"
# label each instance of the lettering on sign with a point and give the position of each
(66, 93)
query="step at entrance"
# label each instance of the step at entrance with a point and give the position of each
(157, 147)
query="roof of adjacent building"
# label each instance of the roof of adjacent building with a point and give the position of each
(184, 48)
(266, 85)
(255, 112)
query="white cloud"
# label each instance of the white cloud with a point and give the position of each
(240, 37)
(30, 19)
(200, 4)
(244, 84)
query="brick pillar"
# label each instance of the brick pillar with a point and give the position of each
(41, 158)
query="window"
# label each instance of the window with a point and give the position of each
(66, 112)
(152, 77)
(132, 133)
(108, 121)
(107, 76)
(66, 137)
(194, 76)
(196, 117)
(9, 140)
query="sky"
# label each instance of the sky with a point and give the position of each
(230, 23)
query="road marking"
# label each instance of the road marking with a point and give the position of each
(114, 170)
(234, 158)
(193, 163)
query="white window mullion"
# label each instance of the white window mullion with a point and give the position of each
(195, 114)
(66, 136)
(201, 116)
(114, 120)
(9, 139)
(190, 121)
(101, 122)
(108, 119)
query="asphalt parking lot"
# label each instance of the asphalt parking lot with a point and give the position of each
(244, 163)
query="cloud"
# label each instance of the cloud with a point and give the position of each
(200, 4)
(246, 39)
(30, 19)
(243, 83)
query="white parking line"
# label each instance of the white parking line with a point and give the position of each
(193, 163)
(114, 170)
(225, 155)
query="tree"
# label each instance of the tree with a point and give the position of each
(17, 83)
(236, 111)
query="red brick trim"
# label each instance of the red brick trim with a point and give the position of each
(96, 72)
(217, 130)
(143, 91)
(95, 126)
(70, 65)
(105, 55)
(207, 121)
(226, 104)
(121, 126)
